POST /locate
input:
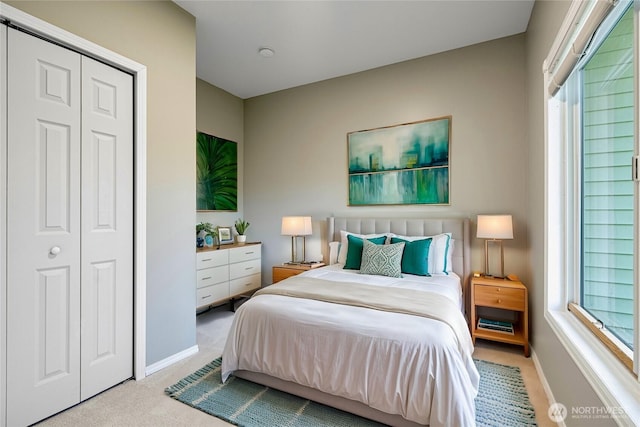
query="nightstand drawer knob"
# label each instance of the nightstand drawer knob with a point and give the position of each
(499, 301)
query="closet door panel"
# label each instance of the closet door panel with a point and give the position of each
(107, 231)
(43, 229)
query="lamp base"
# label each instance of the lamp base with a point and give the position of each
(294, 250)
(486, 258)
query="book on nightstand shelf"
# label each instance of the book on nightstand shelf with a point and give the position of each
(495, 325)
(306, 264)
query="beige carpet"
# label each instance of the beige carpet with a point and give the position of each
(144, 403)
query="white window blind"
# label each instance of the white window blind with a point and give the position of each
(585, 17)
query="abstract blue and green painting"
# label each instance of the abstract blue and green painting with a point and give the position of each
(217, 173)
(399, 165)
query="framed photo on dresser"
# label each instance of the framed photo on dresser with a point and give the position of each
(224, 235)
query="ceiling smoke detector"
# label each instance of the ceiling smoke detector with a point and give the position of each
(266, 52)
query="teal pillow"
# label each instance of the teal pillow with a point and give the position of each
(382, 260)
(354, 250)
(415, 259)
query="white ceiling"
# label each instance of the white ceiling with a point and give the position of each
(318, 40)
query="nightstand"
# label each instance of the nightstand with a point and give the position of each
(505, 295)
(281, 272)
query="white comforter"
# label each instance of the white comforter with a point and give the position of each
(397, 363)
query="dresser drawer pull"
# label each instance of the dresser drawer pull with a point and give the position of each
(249, 253)
(206, 259)
(248, 268)
(499, 301)
(206, 296)
(206, 278)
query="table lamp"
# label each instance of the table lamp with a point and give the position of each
(296, 226)
(494, 228)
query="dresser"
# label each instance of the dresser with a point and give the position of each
(227, 273)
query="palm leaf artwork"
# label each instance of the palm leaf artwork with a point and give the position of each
(217, 173)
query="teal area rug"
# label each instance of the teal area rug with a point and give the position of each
(502, 401)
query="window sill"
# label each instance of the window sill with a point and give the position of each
(613, 383)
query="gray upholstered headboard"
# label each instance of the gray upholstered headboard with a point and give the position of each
(458, 227)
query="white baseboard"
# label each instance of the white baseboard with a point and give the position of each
(155, 367)
(543, 381)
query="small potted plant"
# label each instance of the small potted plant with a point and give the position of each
(204, 230)
(241, 227)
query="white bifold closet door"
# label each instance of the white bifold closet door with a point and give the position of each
(69, 228)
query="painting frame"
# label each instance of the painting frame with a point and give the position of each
(403, 164)
(216, 174)
(225, 236)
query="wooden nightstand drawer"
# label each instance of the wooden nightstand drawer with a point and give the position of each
(282, 273)
(499, 297)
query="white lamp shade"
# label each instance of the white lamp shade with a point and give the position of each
(296, 225)
(495, 227)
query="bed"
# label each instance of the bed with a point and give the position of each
(393, 349)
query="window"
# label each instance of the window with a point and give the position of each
(592, 203)
(607, 201)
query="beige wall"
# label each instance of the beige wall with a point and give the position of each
(296, 150)
(221, 114)
(568, 384)
(161, 36)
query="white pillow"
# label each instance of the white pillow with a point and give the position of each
(440, 251)
(344, 243)
(444, 249)
(334, 248)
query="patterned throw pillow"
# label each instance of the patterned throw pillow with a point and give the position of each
(382, 260)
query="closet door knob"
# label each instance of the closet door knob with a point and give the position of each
(54, 250)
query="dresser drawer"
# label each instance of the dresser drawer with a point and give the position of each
(245, 253)
(211, 276)
(499, 297)
(210, 294)
(245, 268)
(244, 284)
(213, 258)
